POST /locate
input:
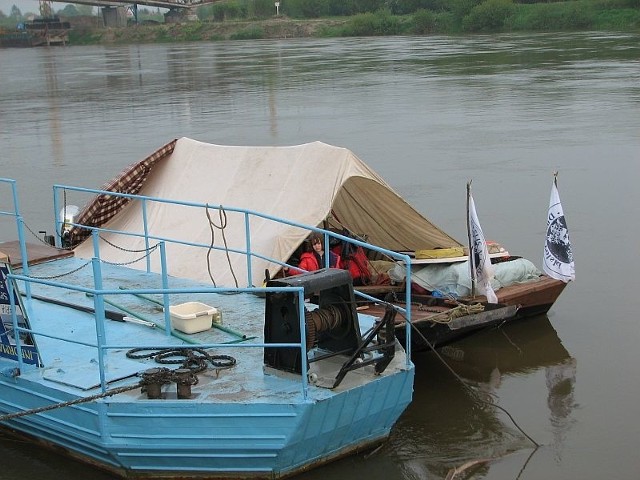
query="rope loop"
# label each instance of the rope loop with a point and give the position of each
(192, 358)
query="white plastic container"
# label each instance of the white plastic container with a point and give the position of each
(192, 317)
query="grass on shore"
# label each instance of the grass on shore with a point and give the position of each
(491, 16)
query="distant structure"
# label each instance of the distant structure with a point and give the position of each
(114, 12)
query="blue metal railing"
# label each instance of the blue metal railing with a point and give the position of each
(98, 292)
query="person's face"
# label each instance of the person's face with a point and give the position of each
(317, 246)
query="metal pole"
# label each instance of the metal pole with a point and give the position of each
(472, 270)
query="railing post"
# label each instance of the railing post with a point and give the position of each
(327, 254)
(146, 233)
(407, 293)
(98, 304)
(23, 252)
(165, 286)
(303, 344)
(14, 321)
(247, 230)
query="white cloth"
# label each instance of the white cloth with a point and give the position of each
(481, 268)
(454, 279)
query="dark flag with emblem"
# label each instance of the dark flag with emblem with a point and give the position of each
(558, 258)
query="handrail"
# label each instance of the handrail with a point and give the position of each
(98, 292)
(248, 253)
(19, 224)
(245, 211)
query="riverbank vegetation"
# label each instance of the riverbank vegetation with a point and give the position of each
(256, 19)
(392, 17)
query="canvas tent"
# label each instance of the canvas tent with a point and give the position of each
(304, 184)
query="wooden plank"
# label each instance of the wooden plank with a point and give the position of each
(378, 289)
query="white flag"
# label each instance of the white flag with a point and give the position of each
(558, 258)
(481, 268)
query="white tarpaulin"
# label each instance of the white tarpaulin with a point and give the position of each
(454, 279)
(304, 184)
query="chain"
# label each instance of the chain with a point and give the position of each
(124, 264)
(41, 240)
(149, 250)
(50, 277)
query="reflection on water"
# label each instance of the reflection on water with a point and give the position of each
(453, 423)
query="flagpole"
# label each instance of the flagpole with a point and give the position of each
(471, 270)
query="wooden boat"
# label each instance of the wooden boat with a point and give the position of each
(516, 301)
(314, 185)
(440, 321)
(147, 374)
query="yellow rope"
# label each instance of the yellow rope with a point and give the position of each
(458, 311)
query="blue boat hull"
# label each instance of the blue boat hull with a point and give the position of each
(192, 438)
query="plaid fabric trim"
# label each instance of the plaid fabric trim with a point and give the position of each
(103, 207)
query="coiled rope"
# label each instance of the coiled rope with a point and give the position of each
(194, 359)
(459, 310)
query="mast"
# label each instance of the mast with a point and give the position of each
(472, 269)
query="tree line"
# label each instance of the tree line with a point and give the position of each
(394, 17)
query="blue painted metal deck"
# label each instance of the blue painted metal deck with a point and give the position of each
(241, 421)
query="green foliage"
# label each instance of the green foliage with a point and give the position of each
(427, 22)
(305, 8)
(424, 21)
(253, 32)
(222, 11)
(148, 16)
(15, 13)
(85, 10)
(553, 17)
(190, 32)
(260, 8)
(489, 16)
(614, 4)
(404, 7)
(461, 8)
(624, 19)
(69, 10)
(339, 8)
(373, 24)
(218, 12)
(367, 18)
(84, 37)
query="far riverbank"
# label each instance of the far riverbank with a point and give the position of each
(520, 18)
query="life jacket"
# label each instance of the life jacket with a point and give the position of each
(355, 260)
(309, 262)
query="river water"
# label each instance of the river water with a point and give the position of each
(428, 114)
